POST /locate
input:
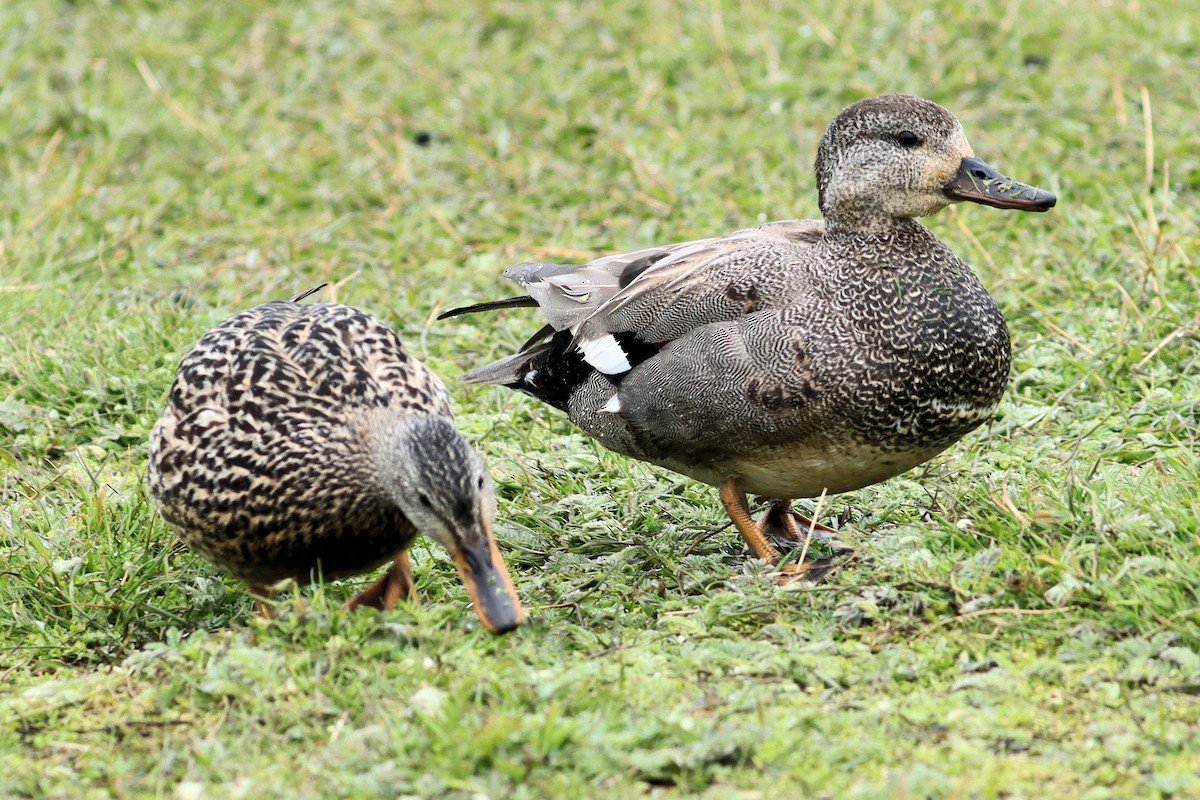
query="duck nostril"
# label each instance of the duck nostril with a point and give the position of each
(978, 173)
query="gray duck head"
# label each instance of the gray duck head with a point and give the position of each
(445, 489)
(899, 156)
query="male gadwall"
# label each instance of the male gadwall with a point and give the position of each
(796, 358)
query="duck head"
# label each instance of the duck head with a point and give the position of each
(899, 156)
(446, 491)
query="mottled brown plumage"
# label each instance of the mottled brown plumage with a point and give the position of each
(795, 358)
(302, 439)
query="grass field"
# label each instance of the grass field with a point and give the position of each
(1018, 619)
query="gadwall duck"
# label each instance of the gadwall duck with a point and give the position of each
(797, 358)
(302, 440)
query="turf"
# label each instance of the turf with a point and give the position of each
(1018, 619)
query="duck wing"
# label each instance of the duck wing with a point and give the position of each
(620, 309)
(351, 360)
(307, 364)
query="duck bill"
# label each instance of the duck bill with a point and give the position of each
(485, 575)
(976, 182)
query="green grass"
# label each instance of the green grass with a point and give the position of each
(1018, 619)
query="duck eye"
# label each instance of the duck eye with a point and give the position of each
(908, 139)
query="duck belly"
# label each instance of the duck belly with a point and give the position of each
(267, 558)
(792, 472)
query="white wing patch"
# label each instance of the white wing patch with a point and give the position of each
(605, 355)
(613, 405)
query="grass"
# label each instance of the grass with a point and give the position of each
(1018, 619)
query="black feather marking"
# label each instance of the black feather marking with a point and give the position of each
(542, 333)
(557, 365)
(557, 369)
(636, 351)
(635, 269)
(492, 305)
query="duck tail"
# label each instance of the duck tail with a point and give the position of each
(491, 305)
(308, 292)
(508, 371)
(550, 371)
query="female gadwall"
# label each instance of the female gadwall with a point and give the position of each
(302, 439)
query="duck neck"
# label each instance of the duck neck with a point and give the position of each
(408, 449)
(879, 252)
(385, 434)
(875, 226)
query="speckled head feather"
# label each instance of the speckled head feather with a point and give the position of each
(888, 156)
